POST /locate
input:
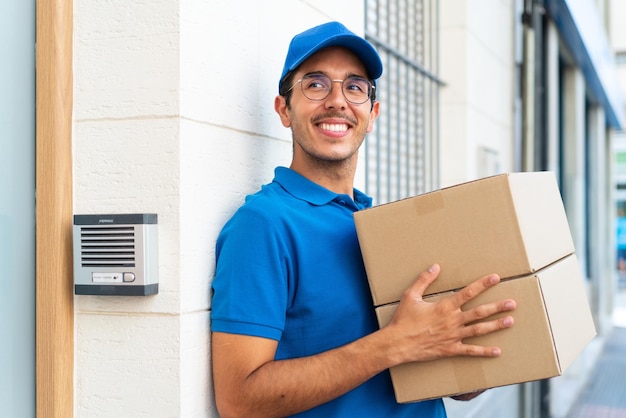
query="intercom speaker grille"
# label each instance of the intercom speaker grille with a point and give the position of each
(107, 246)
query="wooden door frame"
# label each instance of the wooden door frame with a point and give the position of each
(54, 289)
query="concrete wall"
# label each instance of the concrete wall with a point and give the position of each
(615, 22)
(173, 115)
(477, 64)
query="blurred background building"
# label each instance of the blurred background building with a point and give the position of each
(507, 86)
(171, 112)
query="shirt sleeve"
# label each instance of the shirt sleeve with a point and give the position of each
(250, 287)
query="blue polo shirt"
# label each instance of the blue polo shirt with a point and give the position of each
(289, 268)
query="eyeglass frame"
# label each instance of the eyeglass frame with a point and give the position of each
(371, 92)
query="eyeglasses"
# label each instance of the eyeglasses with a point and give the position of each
(356, 90)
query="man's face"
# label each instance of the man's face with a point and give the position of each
(329, 130)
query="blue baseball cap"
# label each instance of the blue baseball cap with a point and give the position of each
(309, 42)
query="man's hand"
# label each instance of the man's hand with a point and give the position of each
(425, 331)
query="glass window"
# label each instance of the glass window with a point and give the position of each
(402, 153)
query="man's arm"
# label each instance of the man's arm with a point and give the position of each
(249, 382)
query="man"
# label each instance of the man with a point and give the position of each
(294, 330)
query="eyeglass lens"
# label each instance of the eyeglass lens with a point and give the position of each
(356, 90)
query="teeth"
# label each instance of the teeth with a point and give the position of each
(342, 127)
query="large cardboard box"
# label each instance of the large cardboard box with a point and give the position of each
(553, 324)
(509, 224)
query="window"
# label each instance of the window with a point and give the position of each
(402, 153)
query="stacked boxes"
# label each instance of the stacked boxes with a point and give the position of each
(511, 224)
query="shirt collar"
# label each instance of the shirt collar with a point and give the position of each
(304, 189)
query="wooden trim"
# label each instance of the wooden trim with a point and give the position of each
(55, 309)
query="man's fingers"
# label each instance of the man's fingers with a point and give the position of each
(424, 280)
(484, 311)
(479, 351)
(475, 288)
(483, 328)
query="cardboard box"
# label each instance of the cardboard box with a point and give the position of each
(509, 224)
(553, 324)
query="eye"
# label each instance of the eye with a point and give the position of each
(355, 85)
(314, 82)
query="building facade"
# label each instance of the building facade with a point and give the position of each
(172, 114)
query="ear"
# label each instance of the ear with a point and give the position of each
(280, 106)
(373, 116)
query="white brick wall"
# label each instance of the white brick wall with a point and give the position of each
(173, 114)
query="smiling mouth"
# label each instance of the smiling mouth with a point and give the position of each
(334, 127)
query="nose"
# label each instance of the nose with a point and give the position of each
(336, 98)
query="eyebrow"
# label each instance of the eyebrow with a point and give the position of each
(323, 73)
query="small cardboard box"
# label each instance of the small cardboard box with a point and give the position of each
(509, 224)
(553, 324)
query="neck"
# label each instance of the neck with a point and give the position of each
(335, 176)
